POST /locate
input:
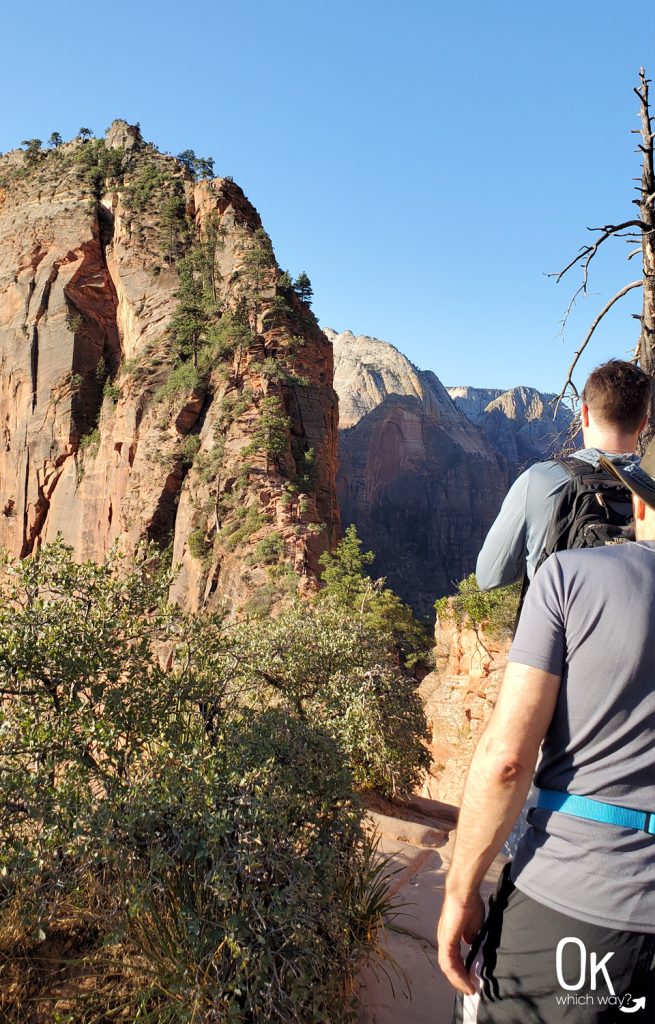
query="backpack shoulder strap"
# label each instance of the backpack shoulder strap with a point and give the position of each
(576, 467)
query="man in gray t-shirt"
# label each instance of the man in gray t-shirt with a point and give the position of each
(570, 935)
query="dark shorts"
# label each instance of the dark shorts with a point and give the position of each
(523, 979)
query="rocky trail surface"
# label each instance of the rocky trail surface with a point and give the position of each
(417, 835)
(417, 839)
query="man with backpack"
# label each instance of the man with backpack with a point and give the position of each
(547, 496)
(570, 934)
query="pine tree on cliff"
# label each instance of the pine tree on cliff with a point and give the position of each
(303, 288)
(348, 585)
(344, 571)
(33, 151)
(199, 166)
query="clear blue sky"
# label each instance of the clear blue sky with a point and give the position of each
(426, 163)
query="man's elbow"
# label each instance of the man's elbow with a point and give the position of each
(484, 579)
(493, 574)
(503, 764)
(487, 576)
(507, 771)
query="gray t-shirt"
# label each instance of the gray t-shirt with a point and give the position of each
(589, 617)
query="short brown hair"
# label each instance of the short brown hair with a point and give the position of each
(617, 392)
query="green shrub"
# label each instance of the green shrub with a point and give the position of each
(270, 549)
(210, 462)
(197, 847)
(306, 470)
(100, 163)
(230, 333)
(269, 434)
(198, 545)
(493, 611)
(233, 406)
(183, 379)
(111, 390)
(254, 900)
(242, 525)
(190, 449)
(149, 181)
(337, 673)
(91, 441)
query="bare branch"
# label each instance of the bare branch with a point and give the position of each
(635, 252)
(569, 310)
(569, 377)
(587, 252)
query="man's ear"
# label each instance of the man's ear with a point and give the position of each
(584, 414)
(639, 508)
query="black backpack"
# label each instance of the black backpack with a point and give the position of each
(593, 509)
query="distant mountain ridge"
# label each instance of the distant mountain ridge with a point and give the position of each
(423, 468)
(421, 482)
(520, 422)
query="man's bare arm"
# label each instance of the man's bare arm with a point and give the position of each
(496, 786)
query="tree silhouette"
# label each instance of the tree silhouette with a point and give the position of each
(639, 230)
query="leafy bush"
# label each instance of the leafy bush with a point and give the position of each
(190, 449)
(111, 390)
(100, 163)
(491, 610)
(269, 435)
(274, 878)
(244, 523)
(234, 405)
(197, 544)
(270, 549)
(90, 442)
(210, 462)
(336, 672)
(183, 379)
(177, 822)
(231, 332)
(151, 178)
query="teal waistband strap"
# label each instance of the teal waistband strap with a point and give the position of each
(596, 810)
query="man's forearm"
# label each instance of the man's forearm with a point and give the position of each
(496, 787)
(495, 791)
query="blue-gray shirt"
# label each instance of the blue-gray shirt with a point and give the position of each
(589, 617)
(516, 538)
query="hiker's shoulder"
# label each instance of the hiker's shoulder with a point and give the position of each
(545, 479)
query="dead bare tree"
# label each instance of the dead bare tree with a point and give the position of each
(640, 230)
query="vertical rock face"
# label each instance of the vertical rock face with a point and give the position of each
(419, 480)
(99, 444)
(459, 697)
(519, 423)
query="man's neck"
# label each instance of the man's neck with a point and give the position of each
(613, 442)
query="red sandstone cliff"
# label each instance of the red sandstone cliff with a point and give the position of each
(459, 697)
(97, 447)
